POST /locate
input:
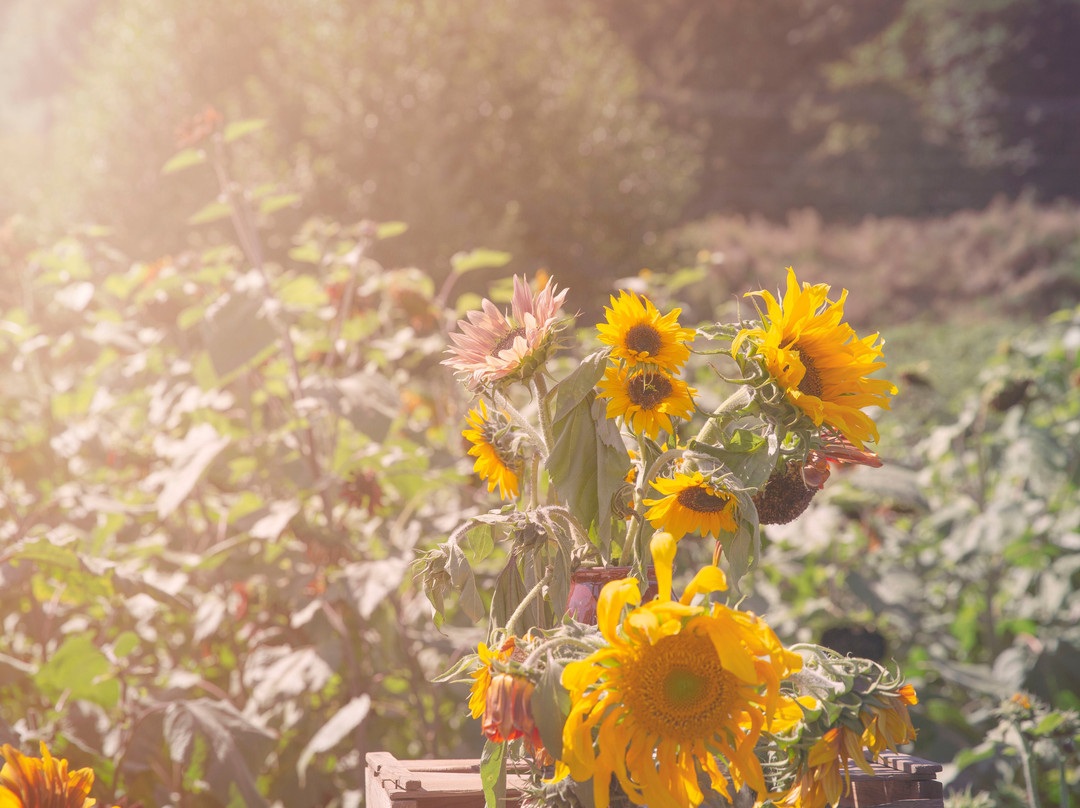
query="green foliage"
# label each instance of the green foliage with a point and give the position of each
(215, 472)
(967, 565)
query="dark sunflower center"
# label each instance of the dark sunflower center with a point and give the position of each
(648, 390)
(678, 688)
(784, 497)
(700, 499)
(507, 341)
(811, 381)
(644, 338)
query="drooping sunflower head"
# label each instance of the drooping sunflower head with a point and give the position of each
(639, 334)
(785, 494)
(496, 459)
(27, 782)
(675, 686)
(646, 398)
(824, 777)
(691, 504)
(819, 362)
(491, 347)
(482, 676)
(886, 720)
(508, 714)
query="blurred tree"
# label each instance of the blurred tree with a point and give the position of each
(506, 124)
(894, 107)
(997, 79)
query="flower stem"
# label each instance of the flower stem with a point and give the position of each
(540, 387)
(536, 653)
(534, 489)
(520, 610)
(714, 427)
(1025, 760)
(520, 421)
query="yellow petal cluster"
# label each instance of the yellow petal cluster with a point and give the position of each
(482, 675)
(638, 334)
(493, 464)
(27, 782)
(690, 504)
(675, 687)
(818, 360)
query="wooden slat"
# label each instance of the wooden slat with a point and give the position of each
(899, 781)
(453, 783)
(909, 763)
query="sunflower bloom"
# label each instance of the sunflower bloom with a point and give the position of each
(495, 462)
(826, 778)
(27, 782)
(478, 693)
(639, 334)
(818, 360)
(886, 720)
(647, 399)
(690, 504)
(490, 346)
(675, 685)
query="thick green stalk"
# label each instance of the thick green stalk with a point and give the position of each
(520, 610)
(714, 427)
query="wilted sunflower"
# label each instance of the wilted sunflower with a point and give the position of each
(482, 676)
(690, 504)
(490, 346)
(825, 777)
(494, 461)
(27, 782)
(639, 334)
(676, 686)
(886, 720)
(645, 398)
(818, 360)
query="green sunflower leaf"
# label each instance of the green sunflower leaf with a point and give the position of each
(493, 774)
(549, 700)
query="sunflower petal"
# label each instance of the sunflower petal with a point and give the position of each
(707, 579)
(663, 546)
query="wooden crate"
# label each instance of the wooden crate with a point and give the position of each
(393, 783)
(900, 781)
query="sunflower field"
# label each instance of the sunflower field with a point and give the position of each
(231, 479)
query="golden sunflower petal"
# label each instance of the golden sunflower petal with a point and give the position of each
(730, 650)
(707, 579)
(613, 597)
(663, 547)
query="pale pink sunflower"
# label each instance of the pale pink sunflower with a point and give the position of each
(491, 346)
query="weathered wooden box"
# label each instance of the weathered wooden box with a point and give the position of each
(900, 781)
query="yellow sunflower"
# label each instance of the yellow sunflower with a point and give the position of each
(27, 782)
(675, 686)
(691, 505)
(825, 778)
(645, 398)
(639, 334)
(495, 462)
(478, 693)
(818, 360)
(886, 720)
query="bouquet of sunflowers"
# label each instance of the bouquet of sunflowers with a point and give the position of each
(632, 695)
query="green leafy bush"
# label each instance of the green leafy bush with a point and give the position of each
(215, 473)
